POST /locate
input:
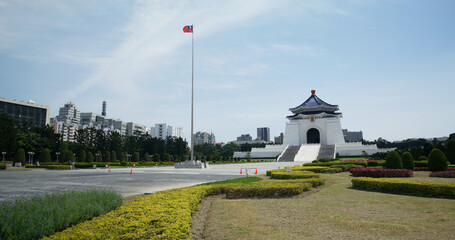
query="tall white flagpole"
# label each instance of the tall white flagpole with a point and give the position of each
(192, 93)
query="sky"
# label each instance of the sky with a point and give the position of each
(389, 65)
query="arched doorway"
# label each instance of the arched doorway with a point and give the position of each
(312, 136)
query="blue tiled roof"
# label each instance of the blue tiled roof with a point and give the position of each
(314, 113)
(314, 101)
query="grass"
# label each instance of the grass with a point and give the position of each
(335, 212)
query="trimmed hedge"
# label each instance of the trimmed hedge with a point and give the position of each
(2, 167)
(443, 174)
(293, 175)
(437, 161)
(328, 164)
(53, 167)
(167, 214)
(380, 172)
(408, 161)
(423, 163)
(432, 189)
(393, 160)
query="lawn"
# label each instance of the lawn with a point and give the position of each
(335, 212)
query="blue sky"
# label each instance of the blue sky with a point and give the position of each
(389, 65)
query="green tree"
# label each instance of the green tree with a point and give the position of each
(437, 161)
(146, 157)
(89, 157)
(107, 156)
(393, 161)
(98, 156)
(156, 157)
(113, 156)
(450, 151)
(408, 161)
(122, 157)
(19, 157)
(135, 157)
(82, 156)
(229, 149)
(166, 157)
(67, 156)
(45, 156)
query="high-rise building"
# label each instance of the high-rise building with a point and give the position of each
(103, 112)
(162, 130)
(204, 137)
(133, 129)
(245, 137)
(69, 114)
(264, 134)
(25, 112)
(279, 139)
(91, 119)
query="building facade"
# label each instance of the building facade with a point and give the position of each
(25, 112)
(204, 137)
(69, 112)
(263, 134)
(352, 136)
(163, 130)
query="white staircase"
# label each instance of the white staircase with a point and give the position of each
(307, 153)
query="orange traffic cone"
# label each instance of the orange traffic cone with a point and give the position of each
(131, 171)
(109, 169)
(241, 171)
(256, 171)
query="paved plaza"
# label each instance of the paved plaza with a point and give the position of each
(15, 184)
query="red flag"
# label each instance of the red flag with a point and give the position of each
(188, 29)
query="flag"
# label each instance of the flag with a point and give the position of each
(188, 29)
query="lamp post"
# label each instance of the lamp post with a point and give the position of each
(57, 153)
(97, 154)
(30, 157)
(129, 157)
(3, 153)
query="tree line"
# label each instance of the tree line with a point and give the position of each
(17, 140)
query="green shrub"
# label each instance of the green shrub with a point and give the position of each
(423, 158)
(422, 163)
(393, 161)
(344, 168)
(437, 161)
(2, 166)
(54, 167)
(433, 189)
(293, 175)
(372, 163)
(33, 218)
(49, 163)
(331, 170)
(44, 156)
(450, 151)
(408, 161)
(20, 156)
(267, 189)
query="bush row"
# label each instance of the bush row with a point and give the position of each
(328, 164)
(2, 167)
(380, 172)
(433, 189)
(35, 217)
(55, 167)
(428, 169)
(443, 174)
(293, 175)
(167, 214)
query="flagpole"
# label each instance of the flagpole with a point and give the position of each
(192, 93)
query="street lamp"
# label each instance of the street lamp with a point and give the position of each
(3, 153)
(57, 153)
(30, 157)
(129, 157)
(97, 154)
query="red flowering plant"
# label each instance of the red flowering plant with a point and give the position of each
(380, 172)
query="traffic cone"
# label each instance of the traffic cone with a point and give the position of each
(256, 171)
(131, 171)
(109, 169)
(241, 171)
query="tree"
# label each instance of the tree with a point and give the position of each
(229, 149)
(45, 156)
(67, 156)
(89, 157)
(122, 157)
(450, 151)
(156, 157)
(166, 157)
(135, 157)
(408, 161)
(107, 156)
(113, 156)
(19, 157)
(427, 149)
(437, 161)
(82, 156)
(393, 160)
(98, 157)
(146, 157)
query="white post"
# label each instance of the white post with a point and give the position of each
(192, 94)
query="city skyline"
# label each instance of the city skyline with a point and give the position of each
(388, 65)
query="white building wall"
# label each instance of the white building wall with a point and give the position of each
(329, 131)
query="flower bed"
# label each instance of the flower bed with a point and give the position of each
(380, 172)
(433, 189)
(328, 164)
(293, 175)
(443, 174)
(428, 169)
